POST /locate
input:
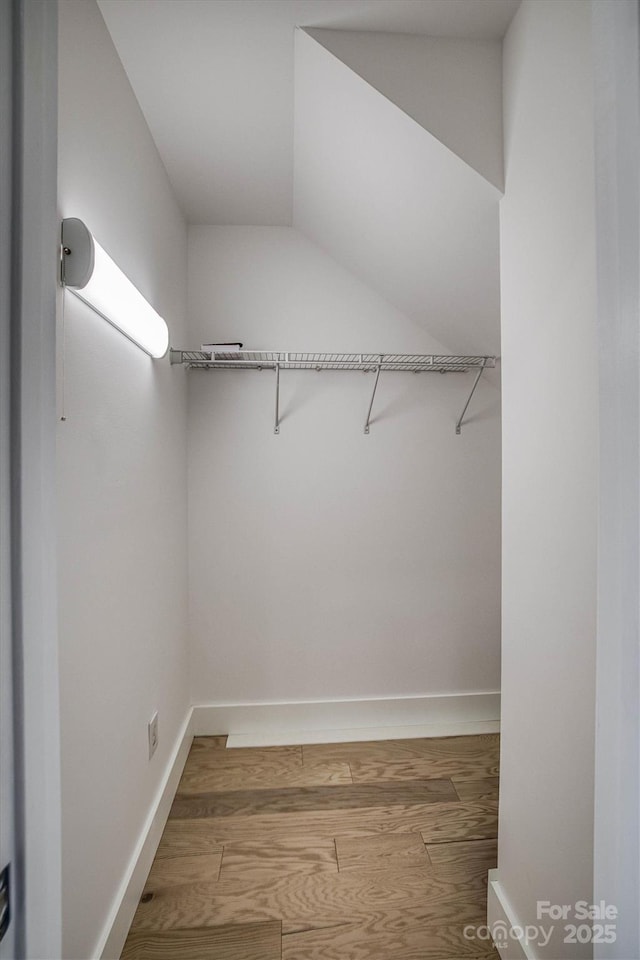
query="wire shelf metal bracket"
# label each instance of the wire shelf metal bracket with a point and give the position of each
(277, 360)
(276, 427)
(473, 390)
(373, 396)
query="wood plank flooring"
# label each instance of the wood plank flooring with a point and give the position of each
(356, 851)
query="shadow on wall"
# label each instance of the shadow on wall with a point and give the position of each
(394, 398)
(408, 400)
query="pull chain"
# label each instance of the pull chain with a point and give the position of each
(63, 373)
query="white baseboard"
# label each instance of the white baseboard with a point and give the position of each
(335, 721)
(116, 928)
(354, 734)
(267, 724)
(501, 919)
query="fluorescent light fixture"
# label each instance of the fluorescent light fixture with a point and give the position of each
(91, 274)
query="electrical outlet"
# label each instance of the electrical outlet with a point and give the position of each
(153, 734)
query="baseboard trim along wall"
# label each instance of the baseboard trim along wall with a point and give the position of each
(502, 921)
(335, 721)
(274, 724)
(116, 928)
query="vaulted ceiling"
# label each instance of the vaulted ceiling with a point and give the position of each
(375, 128)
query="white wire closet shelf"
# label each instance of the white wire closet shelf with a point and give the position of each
(278, 360)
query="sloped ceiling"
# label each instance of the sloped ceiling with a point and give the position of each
(452, 88)
(389, 200)
(214, 79)
(384, 148)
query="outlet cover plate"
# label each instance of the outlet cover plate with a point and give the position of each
(153, 734)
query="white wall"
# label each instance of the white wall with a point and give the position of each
(323, 563)
(122, 486)
(617, 801)
(550, 457)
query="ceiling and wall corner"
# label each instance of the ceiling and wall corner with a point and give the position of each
(392, 203)
(451, 87)
(215, 83)
(379, 135)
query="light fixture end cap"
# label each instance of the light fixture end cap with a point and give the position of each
(78, 253)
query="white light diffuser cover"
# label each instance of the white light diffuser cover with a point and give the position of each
(114, 297)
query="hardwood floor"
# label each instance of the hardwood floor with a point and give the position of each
(354, 851)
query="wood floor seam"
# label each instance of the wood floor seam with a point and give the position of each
(298, 799)
(426, 847)
(331, 926)
(361, 851)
